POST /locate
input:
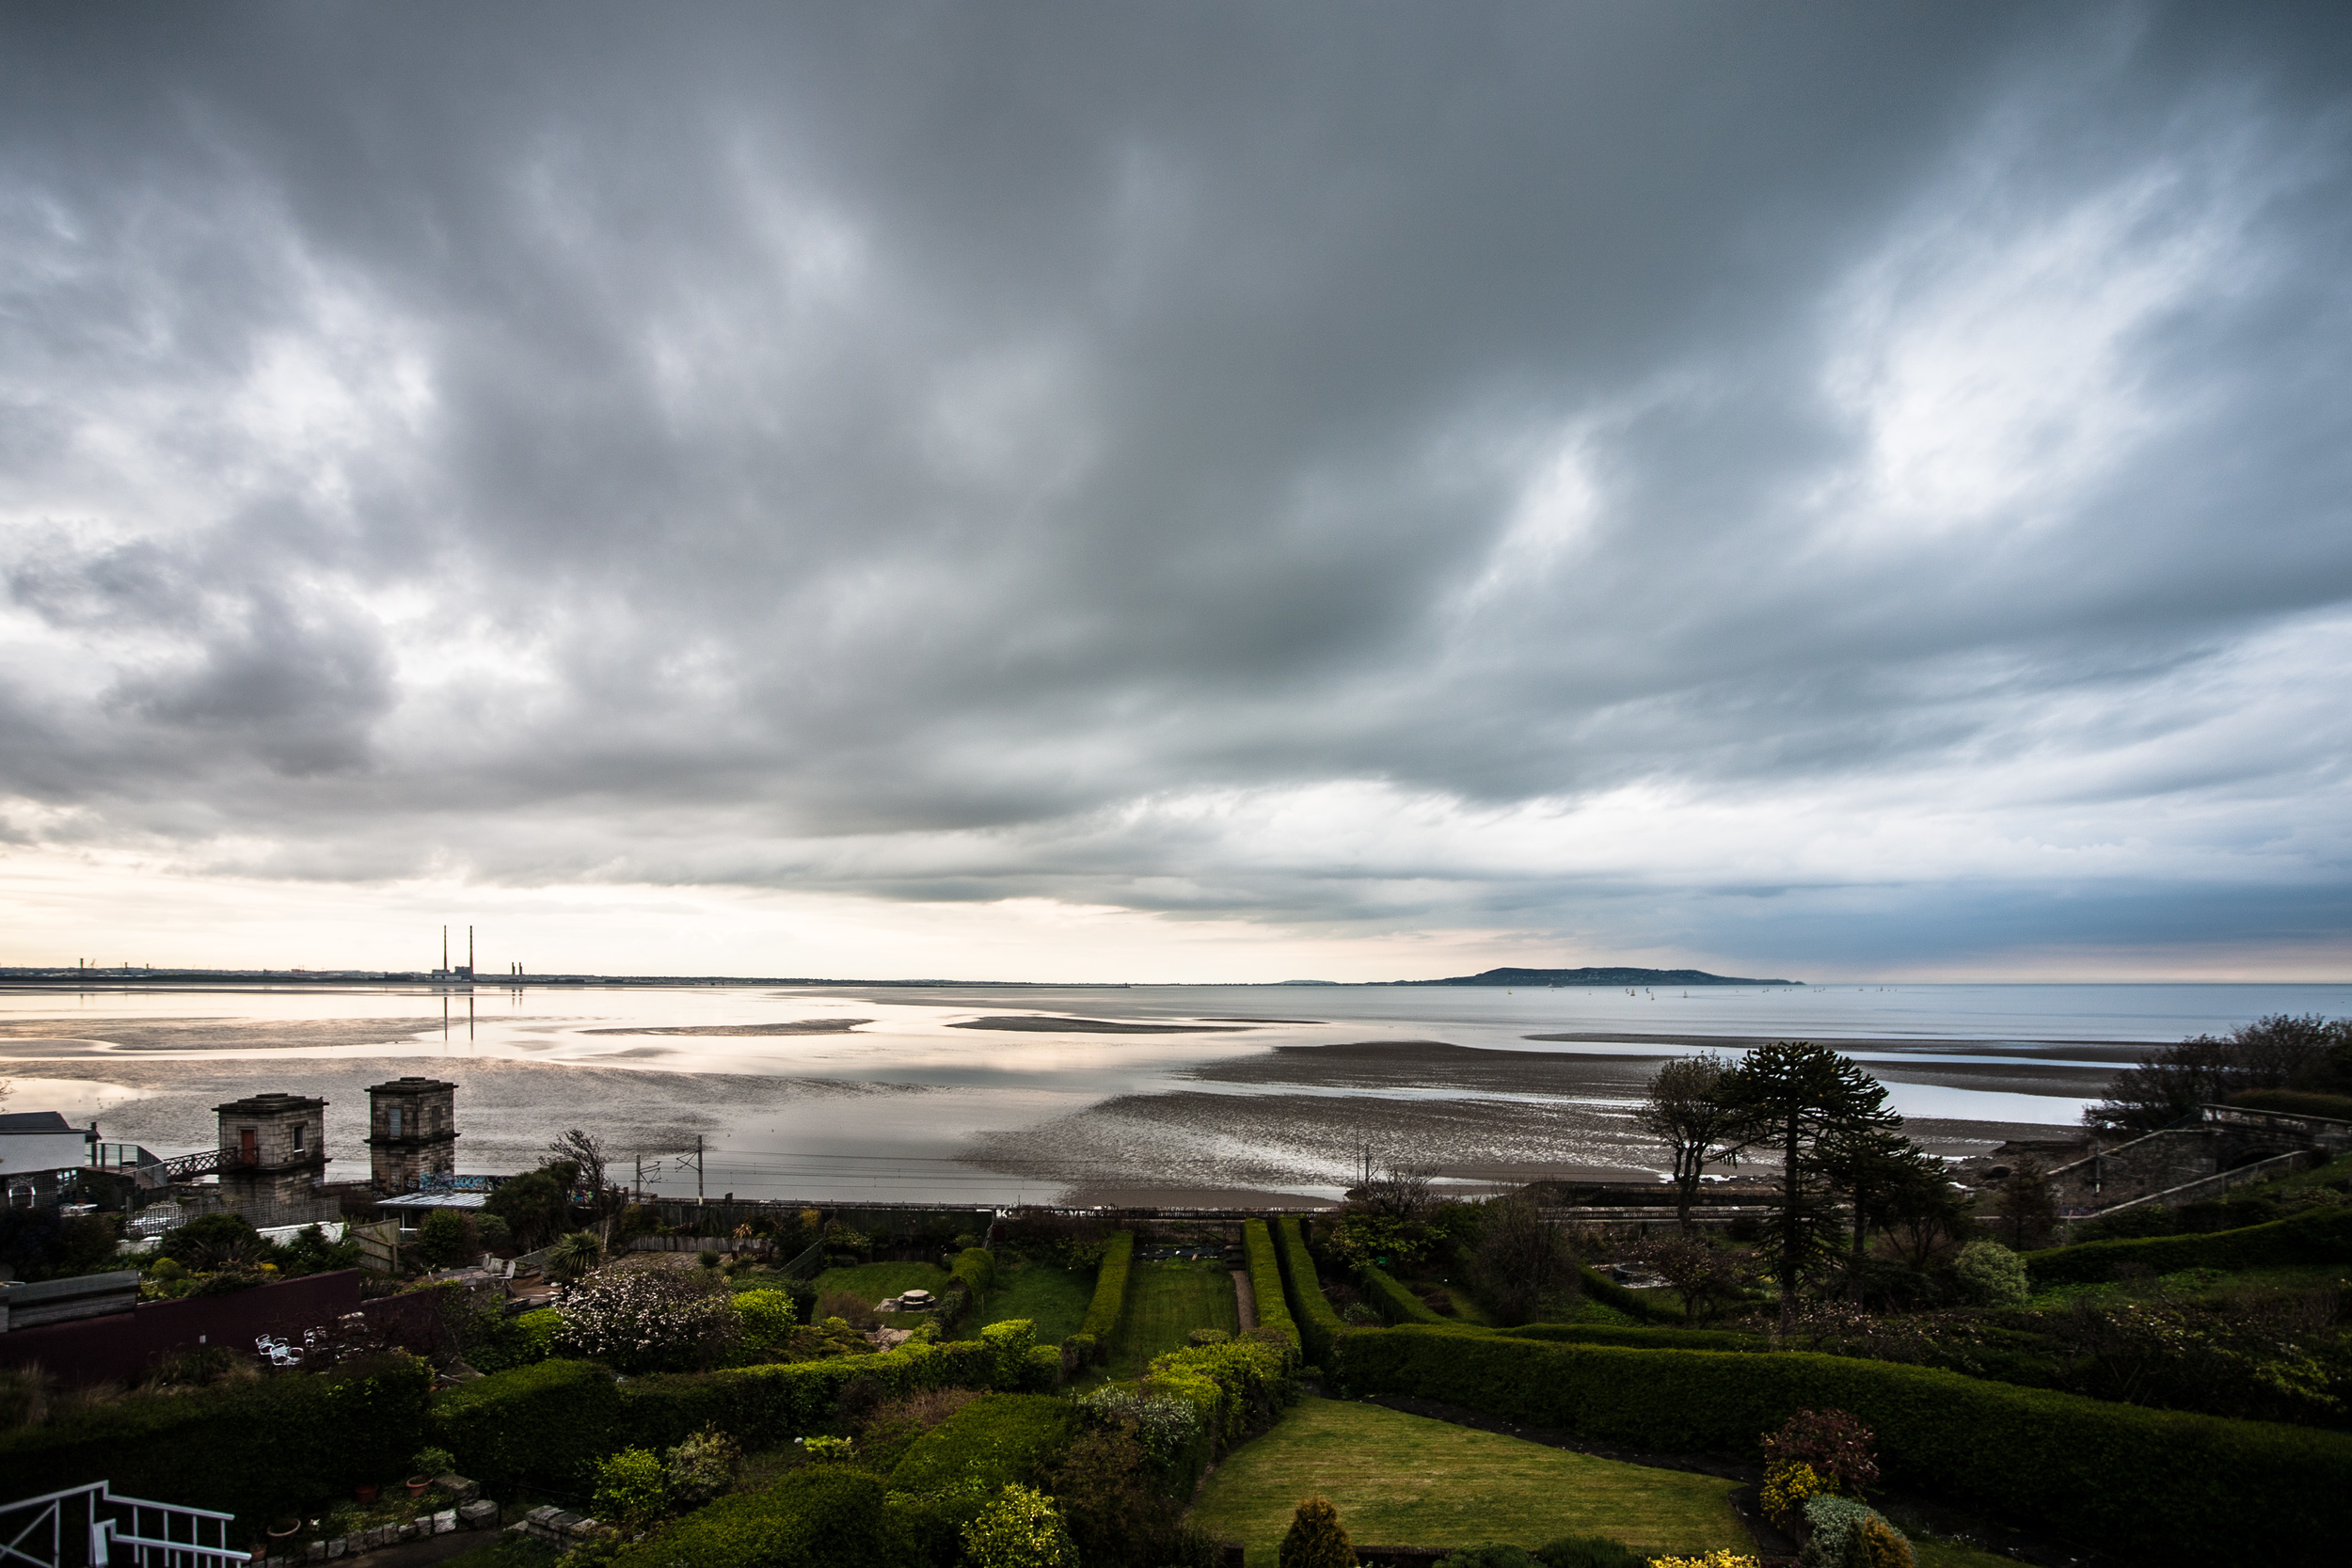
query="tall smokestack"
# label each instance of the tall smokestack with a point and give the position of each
(445, 950)
(468, 952)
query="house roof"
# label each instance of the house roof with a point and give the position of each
(36, 1121)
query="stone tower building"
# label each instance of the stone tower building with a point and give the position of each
(412, 1132)
(273, 1156)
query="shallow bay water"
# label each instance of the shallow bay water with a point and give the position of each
(1086, 1094)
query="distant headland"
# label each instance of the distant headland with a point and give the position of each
(1598, 977)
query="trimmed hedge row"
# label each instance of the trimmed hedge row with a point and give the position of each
(260, 1449)
(1399, 1304)
(820, 1516)
(2315, 1235)
(996, 1438)
(2158, 1485)
(1265, 1280)
(1642, 1338)
(546, 1424)
(1631, 1303)
(1110, 1293)
(1310, 1311)
(976, 1267)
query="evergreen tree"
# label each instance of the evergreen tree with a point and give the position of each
(1317, 1539)
(1797, 1096)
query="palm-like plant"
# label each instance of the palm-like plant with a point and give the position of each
(571, 1258)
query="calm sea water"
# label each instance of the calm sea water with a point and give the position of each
(894, 1108)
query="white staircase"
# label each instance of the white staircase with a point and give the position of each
(89, 1527)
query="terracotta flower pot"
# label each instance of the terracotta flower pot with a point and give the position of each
(286, 1528)
(365, 1492)
(419, 1485)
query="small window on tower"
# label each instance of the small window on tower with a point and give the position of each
(391, 1121)
(297, 1132)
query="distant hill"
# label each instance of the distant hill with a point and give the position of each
(1598, 977)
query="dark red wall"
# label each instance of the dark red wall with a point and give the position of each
(119, 1349)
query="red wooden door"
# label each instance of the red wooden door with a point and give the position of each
(249, 1147)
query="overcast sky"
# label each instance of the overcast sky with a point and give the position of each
(1179, 491)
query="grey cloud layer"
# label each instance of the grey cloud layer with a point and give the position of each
(960, 452)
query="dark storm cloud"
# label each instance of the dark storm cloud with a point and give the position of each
(1528, 464)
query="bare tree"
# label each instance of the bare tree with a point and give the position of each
(1399, 1191)
(1685, 1108)
(1521, 1258)
(585, 1149)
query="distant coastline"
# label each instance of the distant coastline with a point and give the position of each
(1597, 977)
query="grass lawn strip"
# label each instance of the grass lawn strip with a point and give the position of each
(1409, 1481)
(1053, 1298)
(872, 1282)
(1165, 1302)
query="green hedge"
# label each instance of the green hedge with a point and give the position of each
(1395, 1303)
(2157, 1485)
(996, 1439)
(1265, 1280)
(764, 1406)
(543, 1424)
(976, 1267)
(283, 1445)
(1633, 1304)
(1110, 1291)
(1009, 1342)
(1318, 1326)
(2315, 1235)
(821, 1516)
(1641, 1337)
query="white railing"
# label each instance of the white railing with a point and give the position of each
(89, 1527)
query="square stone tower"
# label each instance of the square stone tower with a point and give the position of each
(412, 1132)
(273, 1155)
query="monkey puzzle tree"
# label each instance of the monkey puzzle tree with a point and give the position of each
(1797, 1096)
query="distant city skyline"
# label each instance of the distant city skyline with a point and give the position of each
(1062, 492)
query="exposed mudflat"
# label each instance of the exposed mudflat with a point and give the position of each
(110, 1035)
(743, 1031)
(1022, 1024)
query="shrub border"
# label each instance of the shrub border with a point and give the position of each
(1265, 1280)
(1110, 1293)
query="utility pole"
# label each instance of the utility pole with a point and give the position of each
(698, 1167)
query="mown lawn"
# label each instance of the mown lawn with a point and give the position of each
(1406, 1480)
(1165, 1302)
(872, 1282)
(1054, 1299)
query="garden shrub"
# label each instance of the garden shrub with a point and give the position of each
(2165, 1485)
(1265, 1279)
(2315, 1236)
(545, 1423)
(703, 1468)
(255, 1450)
(632, 1489)
(1319, 1328)
(828, 1516)
(1850, 1534)
(1317, 1539)
(1009, 1342)
(993, 1441)
(643, 1322)
(1832, 1443)
(1991, 1275)
(769, 1318)
(1167, 1427)
(1019, 1528)
(1041, 1373)
(1110, 1291)
(1589, 1551)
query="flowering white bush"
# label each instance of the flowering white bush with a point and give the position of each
(1164, 1426)
(641, 1322)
